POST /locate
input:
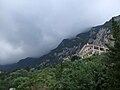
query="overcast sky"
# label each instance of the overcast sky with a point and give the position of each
(34, 27)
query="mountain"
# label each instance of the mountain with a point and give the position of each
(98, 35)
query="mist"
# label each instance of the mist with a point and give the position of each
(31, 28)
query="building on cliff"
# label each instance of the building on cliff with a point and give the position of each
(90, 50)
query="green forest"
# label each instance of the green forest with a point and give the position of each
(100, 72)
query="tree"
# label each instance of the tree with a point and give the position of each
(114, 55)
(21, 83)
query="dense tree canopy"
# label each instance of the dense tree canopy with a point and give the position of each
(114, 57)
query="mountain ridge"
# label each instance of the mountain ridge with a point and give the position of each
(98, 35)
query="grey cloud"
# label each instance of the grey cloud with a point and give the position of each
(34, 27)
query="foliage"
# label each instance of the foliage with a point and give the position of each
(80, 74)
(114, 57)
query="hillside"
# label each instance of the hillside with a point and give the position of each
(98, 35)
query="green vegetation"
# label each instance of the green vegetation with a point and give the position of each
(93, 73)
(114, 57)
(87, 74)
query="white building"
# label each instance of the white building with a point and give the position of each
(90, 50)
(12, 89)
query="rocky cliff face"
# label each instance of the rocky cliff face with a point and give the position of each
(99, 35)
(102, 37)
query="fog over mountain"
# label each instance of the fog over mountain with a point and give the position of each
(34, 27)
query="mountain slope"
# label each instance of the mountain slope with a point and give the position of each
(98, 35)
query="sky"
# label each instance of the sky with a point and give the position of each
(31, 28)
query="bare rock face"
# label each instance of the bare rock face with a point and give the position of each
(102, 37)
